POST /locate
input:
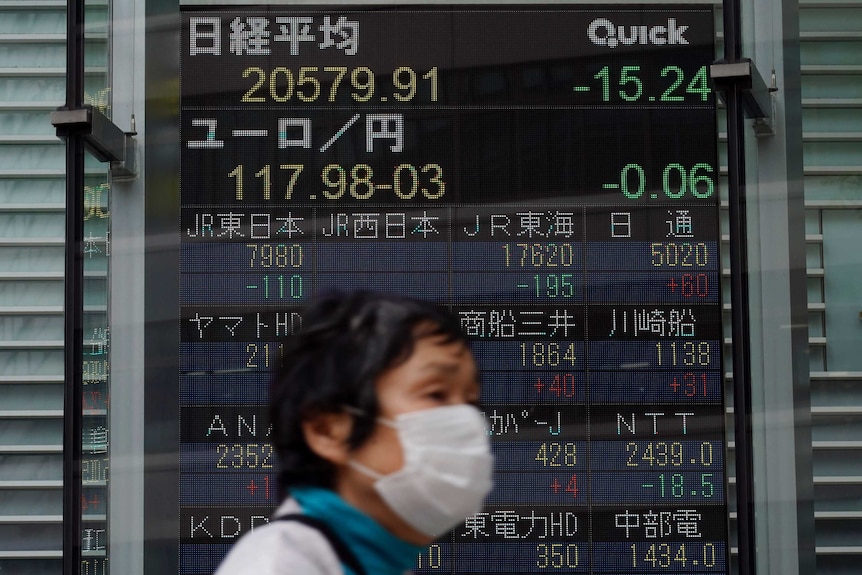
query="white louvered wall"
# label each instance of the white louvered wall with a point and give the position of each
(831, 58)
(32, 68)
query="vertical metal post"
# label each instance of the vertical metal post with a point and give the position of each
(739, 297)
(74, 297)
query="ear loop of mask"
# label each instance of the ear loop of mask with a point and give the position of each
(359, 413)
(364, 469)
(352, 462)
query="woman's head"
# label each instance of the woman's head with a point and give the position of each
(347, 354)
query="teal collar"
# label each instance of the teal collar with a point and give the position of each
(379, 551)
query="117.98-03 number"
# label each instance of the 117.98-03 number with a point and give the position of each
(407, 181)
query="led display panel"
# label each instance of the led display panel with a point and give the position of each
(550, 174)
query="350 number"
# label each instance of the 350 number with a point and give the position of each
(557, 556)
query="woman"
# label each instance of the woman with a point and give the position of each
(381, 446)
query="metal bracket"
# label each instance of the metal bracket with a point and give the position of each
(102, 137)
(756, 96)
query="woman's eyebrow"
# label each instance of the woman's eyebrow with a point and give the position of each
(442, 366)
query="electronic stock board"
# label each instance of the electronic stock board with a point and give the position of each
(547, 172)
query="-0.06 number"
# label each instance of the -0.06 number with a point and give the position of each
(676, 181)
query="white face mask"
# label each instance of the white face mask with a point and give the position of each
(447, 468)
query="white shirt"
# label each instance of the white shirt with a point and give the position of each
(282, 548)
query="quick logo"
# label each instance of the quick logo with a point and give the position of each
(603, 32)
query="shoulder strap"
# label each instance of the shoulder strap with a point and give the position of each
(345, 555)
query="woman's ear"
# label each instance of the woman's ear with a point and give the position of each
(326, 435)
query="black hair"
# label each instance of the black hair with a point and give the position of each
(345, 343)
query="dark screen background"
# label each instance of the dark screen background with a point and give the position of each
(561, 197)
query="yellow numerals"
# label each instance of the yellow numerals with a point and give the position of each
(557, 556)
(551, 354)
(264, 355)
(244, 456)
(405, 182)
(275, 255)
(537, 255)
(313, 84)
(265, 177)
(555, 454)
(673, 556)
(688, 354)
(679, 254)
(655, 454)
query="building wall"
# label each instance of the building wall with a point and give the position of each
(32, 199)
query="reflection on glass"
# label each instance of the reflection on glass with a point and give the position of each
(96, 399)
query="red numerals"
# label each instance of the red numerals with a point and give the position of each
(689, 285)
(570, 486)
(690, 384)
(259, 489)
(560, 385)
